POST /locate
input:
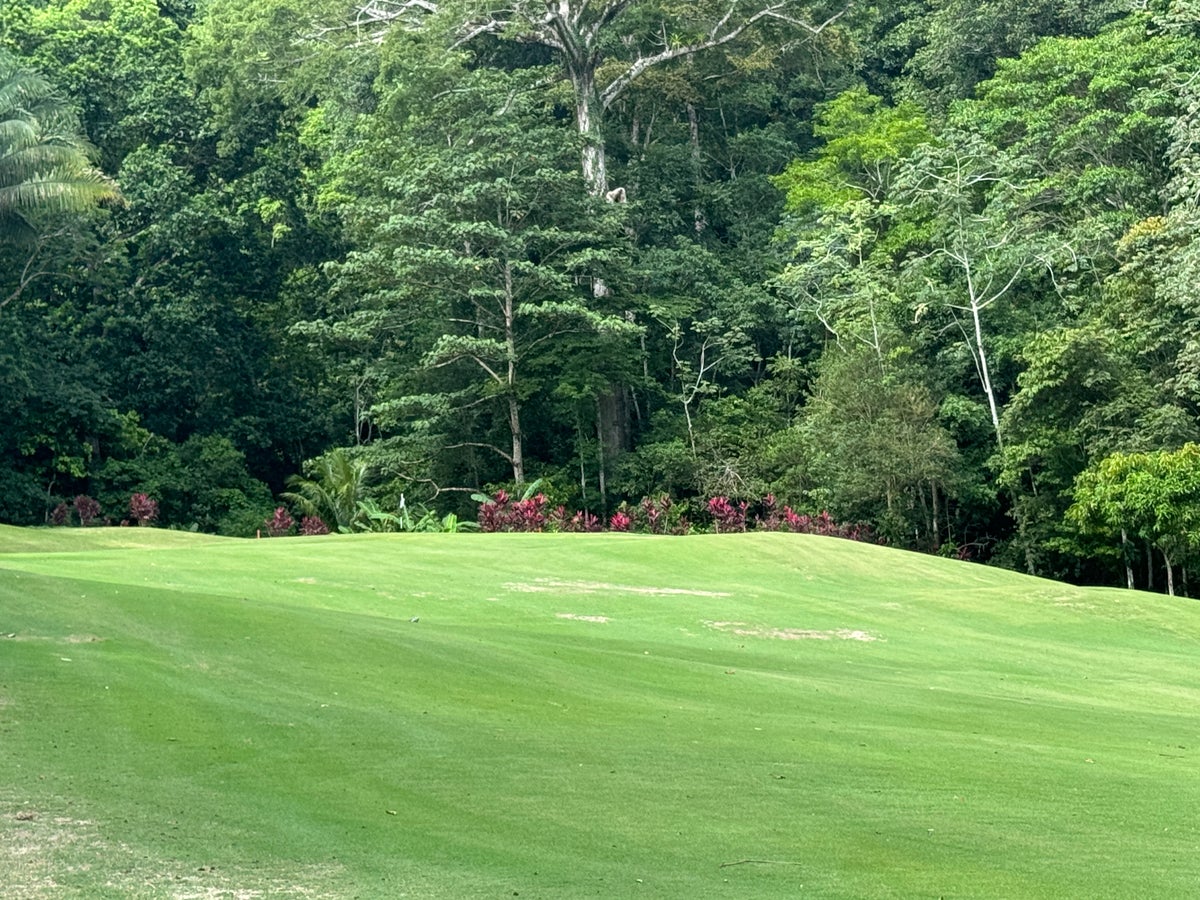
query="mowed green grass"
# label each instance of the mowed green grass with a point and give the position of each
(746, 716)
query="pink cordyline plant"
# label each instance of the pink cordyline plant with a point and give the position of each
(143, 509)
(620, 521)
(280, 523)
(87, 509)
(727, 517)
(312, 525)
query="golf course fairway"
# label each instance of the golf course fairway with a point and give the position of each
(562, 716)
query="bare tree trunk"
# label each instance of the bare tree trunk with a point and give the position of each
(514, 423)
(514, 406)
(699, 221)
(985, 375)
(601, 479)
(1170, 574)
(937, 537)
(1125, 559)
(589, 122)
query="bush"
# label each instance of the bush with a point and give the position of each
(87, 509)
(143, 509)
(280, 523)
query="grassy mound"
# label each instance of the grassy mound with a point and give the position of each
(584, 715)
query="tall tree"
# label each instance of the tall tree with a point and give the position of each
(603, 47)
(475, 245)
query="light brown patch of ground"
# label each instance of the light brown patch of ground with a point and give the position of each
(66, 639)
(792, 634)
(579, 618)
(44, 856)
(547, 585)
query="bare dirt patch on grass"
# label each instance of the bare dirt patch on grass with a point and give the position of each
(742, 629)
(64, 639)
(48, 856)
(549, 585)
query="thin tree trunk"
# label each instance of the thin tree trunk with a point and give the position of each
(985, 374)
(582, 465)
(699, 222)
(601, 481)
(514, 405)
(1149, 567)
(1170, 574)
(937, 535)
(1125, 559)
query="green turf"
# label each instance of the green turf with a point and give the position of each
(197, 718)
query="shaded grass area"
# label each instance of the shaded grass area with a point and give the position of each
(265, 716)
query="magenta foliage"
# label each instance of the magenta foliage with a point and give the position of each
(561, 520)
(502, 514)
(60, 515)
(87, 509)
(620, 521)
(280, 523)
(143, 509)
(310, 525)
(775, 518)
(655, 513)
(727, 516)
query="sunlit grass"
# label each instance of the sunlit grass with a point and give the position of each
(584, 715)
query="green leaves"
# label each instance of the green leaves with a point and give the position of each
(44, 163)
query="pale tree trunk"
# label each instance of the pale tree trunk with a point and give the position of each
(514, 406)
(699, 221)
(1170, 573)
(1125, 559)
(937, 539)
(985, 375)
(589, 122)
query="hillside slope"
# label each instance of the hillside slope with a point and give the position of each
(584, 715)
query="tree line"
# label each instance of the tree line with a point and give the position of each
(929, 268)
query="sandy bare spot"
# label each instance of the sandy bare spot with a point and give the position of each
(305, 580)
(45, 856)
(548, 585)
(792, 634)
(66, 639)
(579, 618)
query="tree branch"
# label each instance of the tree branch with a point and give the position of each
(720, 33)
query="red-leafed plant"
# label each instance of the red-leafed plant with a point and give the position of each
(583, 521)
(280, 523)
(727, 517)
(501, 513)
(312, 525)
(656, 514)
(87, 509)
(620, 521)
(60, 515)
(143, 509)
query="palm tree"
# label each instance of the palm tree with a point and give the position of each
(335, 493)
(44, 163)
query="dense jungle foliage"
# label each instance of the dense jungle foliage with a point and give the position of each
(929, 266)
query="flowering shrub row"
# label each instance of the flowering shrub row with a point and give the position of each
(657, 516)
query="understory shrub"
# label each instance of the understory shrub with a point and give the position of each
(658, 515)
